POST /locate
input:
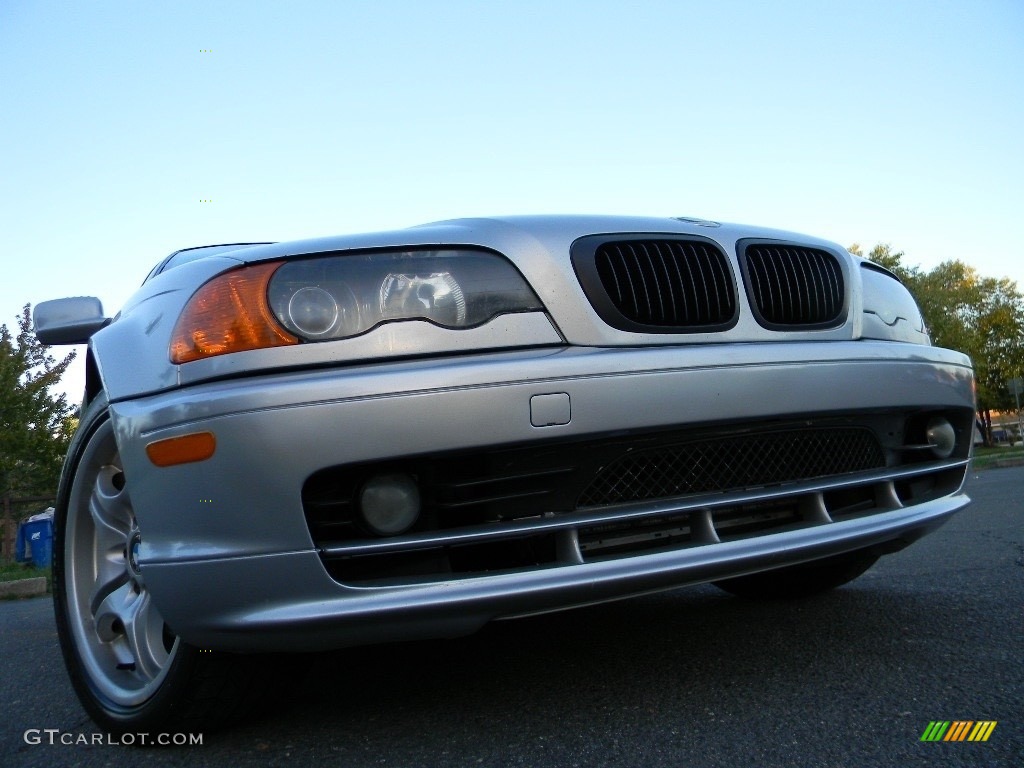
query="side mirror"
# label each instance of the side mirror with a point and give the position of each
(68, 321)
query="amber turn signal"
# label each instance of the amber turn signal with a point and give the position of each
(182, 450)
(229, 314)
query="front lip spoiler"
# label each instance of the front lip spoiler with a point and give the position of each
(323, 619)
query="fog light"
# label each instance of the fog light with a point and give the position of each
(941, 437)
(390, 504)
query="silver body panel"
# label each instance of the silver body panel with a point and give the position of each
(227, 553)
(236, 520)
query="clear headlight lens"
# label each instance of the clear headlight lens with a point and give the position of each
(336, 297)
(436, 297)
(890, 312)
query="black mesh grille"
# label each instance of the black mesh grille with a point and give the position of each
(794, 286)
(667, 283)
(732, 463)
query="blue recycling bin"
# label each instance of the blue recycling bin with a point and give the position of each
(35, 539)
(22, 553)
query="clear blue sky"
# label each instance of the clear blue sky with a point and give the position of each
(865, 121)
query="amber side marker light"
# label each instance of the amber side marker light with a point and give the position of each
(182, 450)
(229, 314)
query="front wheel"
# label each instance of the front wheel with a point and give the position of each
(130, 671)
(802, 580)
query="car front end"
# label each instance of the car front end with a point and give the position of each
(410, 434)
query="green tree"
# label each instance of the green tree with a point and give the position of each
(883, 255)
(1000, 327)
(35, 426)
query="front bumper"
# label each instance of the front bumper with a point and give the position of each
(228, 557)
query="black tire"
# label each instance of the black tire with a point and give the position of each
(802, 580)
(129, 670)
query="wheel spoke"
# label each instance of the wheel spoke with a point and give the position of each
(109, 580)
(110, 510)
(110, 622)
(144, 630)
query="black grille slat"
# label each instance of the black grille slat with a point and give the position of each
(813, 277)
(794, 286)
(837, 284)
(806, 288)
(721, 283)
(619, 294)
(796, 297)
(730, 463)
(705, 307)
(636, 283)
(801, 304)
(679, 283)
(646, 278)
(667, 284)
(671, 289)
(657, 293)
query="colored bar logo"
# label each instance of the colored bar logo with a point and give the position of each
(959, 730)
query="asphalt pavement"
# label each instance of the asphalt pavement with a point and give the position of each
(691, 677)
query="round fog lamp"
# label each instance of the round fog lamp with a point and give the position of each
(941, 437)
(389, 504)
(313, 311)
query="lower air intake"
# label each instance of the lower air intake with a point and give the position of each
(730, 463)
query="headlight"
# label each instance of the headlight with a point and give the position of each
(890, 312)
(343, 295)
(339, 296)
